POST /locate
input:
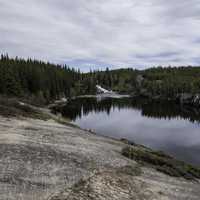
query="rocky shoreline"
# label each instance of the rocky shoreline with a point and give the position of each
(43, 159)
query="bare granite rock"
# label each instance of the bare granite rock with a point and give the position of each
(45, 160)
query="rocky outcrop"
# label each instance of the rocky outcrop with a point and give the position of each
(45, 160)
(196, 99)
(190, 99)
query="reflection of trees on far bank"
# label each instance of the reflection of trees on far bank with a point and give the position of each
(155, 109)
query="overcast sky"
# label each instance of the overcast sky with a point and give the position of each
(99, 33)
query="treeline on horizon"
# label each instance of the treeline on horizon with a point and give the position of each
(36, 80)
(44, 82)
(166, 82)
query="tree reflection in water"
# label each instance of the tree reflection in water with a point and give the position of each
(79, 107)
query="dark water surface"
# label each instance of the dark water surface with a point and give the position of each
(162, 126)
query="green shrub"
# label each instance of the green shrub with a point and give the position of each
(161, 162)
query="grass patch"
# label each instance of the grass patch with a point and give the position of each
(12, 108)
(162, 162)
(130, 170)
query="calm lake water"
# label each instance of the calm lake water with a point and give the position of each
(162, 126)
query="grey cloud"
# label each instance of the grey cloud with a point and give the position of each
(89, 33)
(181, 9)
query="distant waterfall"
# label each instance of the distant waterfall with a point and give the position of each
(103, 90)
